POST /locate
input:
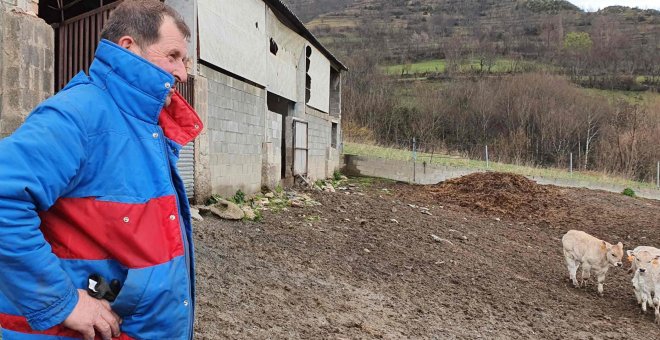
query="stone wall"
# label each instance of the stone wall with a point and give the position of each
(26, 64)
(29, 6)
(235, 127)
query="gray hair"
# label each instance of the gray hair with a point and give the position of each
(141, 19)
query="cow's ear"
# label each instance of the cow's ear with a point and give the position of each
(629, 253)
(603, 245)
(620, 245)
(630, 258)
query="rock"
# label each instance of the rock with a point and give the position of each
(394, 221)
(394, 209)
(227, 210)
(329, 188)
(263, 201)
(367, 250)
(343, 178)
(497, 219)
(269, 195)
(363, 222)
(297, 204)
(249, 213)
(202, 208)
(441, 240)
(426, 212)
(195, 214)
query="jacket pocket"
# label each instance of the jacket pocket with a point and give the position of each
(131, 292)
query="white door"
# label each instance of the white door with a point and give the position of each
(300, 148)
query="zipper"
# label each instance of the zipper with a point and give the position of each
(186, 247)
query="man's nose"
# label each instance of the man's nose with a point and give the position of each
(180, 73)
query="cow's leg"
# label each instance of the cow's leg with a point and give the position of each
(586, 273)
(572, 266)
(636, 288)
(600, 276)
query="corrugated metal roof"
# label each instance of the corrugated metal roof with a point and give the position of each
(302, 30)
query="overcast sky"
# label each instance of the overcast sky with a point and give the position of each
(594, 5)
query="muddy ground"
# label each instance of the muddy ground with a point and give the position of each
(364, 265)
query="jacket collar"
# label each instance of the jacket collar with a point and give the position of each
(139, 89)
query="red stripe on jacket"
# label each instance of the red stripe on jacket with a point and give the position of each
(136, 235)
(20, 324)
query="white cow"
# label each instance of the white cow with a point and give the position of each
(645, 277)
(632, 253)
(656, 299)
(590, 253)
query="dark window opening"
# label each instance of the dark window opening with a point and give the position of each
(273, 46)
(278, 104)
(335, 93)
(308, 78)
(58, 11)
(333, 135)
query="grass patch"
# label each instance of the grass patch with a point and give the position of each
(630, 97)
(502, 65)
(462, 162)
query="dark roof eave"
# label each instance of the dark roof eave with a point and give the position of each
(284, 10)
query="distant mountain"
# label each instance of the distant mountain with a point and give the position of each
(408, 30)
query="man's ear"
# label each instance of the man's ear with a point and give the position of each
(129, 43)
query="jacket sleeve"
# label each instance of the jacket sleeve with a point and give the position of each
(37, 163)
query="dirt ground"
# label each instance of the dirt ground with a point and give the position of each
(474, 258)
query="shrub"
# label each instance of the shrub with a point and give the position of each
(629, 192)
(336, 175)
(239, 197)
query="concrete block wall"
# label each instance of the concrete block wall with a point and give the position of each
(320, 155)
(203, 187)
(235, 127)
(405, 171)
(26, 65)
(272, 160)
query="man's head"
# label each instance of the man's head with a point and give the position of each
(153, 31)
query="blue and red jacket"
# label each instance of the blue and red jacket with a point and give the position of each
(89, 184)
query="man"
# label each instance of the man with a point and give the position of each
(89, 186)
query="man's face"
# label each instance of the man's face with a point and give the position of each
(170, 52)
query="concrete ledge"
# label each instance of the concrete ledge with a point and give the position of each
(420, 173)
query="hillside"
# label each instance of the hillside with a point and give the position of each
(427, 29)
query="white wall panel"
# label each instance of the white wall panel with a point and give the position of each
(320, 73)
(283, 67)
(232, 36)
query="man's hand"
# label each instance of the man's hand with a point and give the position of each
(90, 316)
